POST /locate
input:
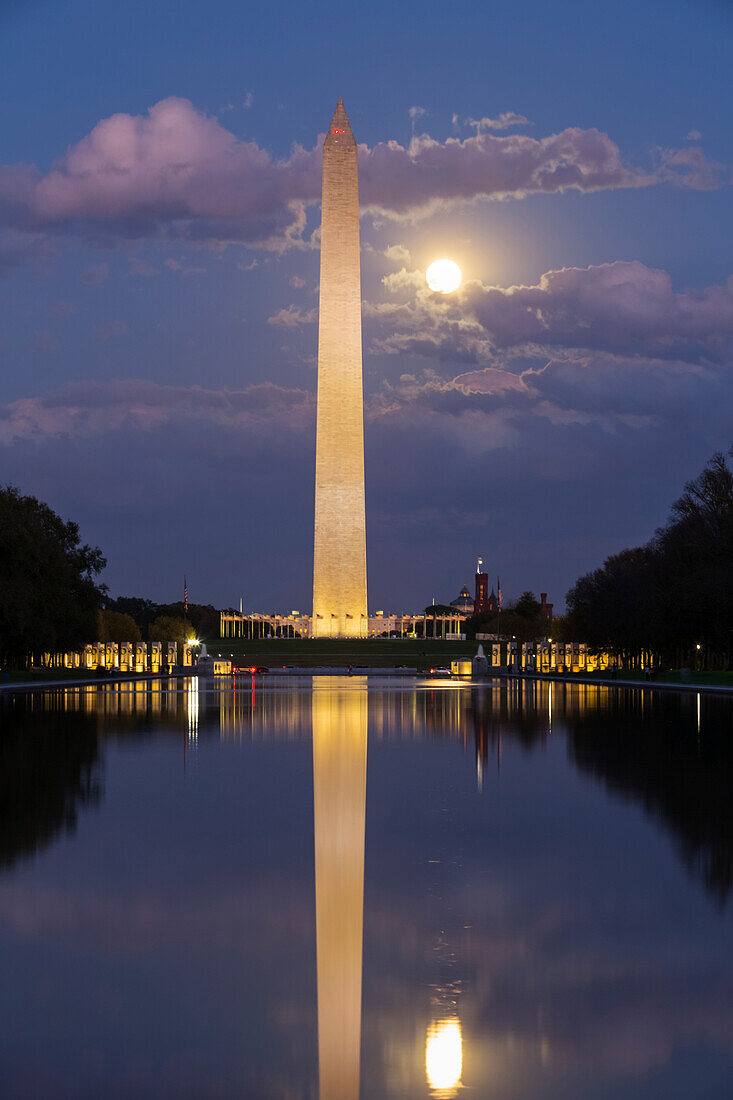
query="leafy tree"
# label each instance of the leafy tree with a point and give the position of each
(113, 626)
(204, 618)
(142, 611)
(560, 629)
(48, 596)
(434, 609)
(527, 606)
(166, 628)
(508, 624)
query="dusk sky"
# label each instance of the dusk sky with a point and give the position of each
(160, 170)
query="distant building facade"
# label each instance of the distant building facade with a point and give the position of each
(463, 602)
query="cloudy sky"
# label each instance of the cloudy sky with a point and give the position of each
(159, 215)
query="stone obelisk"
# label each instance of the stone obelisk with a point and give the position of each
(339, 559)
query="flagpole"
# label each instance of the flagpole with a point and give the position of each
(498, 614)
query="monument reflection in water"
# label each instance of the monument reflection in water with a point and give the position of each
(340, 724)
(543, 893)
(339, 808)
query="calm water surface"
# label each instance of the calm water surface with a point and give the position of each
(342, 888)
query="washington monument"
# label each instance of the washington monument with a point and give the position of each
(339, 558)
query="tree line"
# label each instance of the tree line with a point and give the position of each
(673, 596)
(521, 620)
(133, 619)
(49, 598)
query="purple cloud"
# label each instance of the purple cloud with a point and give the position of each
(94, 408)
(293, 316)
(691, 168)
(505, 121)
(177, 174)
(173, 173)
(615, 307)
(415, 180)
(607, 346)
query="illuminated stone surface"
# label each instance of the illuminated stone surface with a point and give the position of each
(339, 560)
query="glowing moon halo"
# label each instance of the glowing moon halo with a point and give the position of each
(444, 276)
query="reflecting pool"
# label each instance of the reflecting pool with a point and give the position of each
(342, 887)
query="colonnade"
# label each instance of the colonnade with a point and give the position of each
(541, 657)
(120, 657)
(260, 625)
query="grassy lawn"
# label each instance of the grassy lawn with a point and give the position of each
(25, 676)
(388, 652)
(713, 679)
(375, 652)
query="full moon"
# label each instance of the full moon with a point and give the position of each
(443, 275)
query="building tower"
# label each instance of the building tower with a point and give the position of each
(481, 601)
(339, 558)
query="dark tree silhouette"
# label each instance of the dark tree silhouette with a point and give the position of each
(49, 600)
(204, 618)
(648, 750)
(673, 596)
(528, 606)
(49, 768)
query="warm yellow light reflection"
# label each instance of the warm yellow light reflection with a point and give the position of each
(444, 276)
(339, 807)
(444, 1057)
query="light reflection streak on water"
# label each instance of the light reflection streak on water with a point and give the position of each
(193, 703)
(339, 818)
(444, 1057)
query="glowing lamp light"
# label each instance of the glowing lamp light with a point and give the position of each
(444, 1057)
(443, 276)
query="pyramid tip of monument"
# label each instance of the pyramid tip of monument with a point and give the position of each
(340, 132)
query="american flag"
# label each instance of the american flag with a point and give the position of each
(185, 595)
(498, 591)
